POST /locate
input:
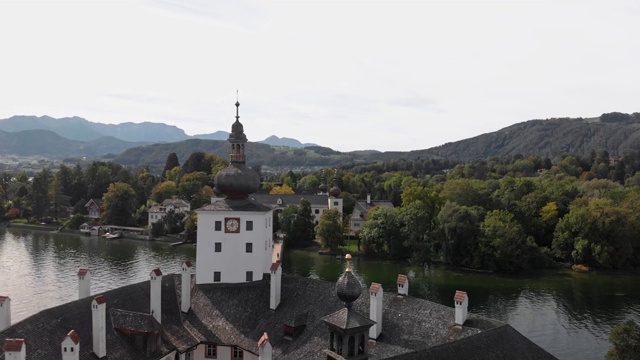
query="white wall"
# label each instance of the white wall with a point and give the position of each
(233, 261)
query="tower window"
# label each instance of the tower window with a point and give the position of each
(249, 225)
(218, 225)
(249, 275)
(216, 276)
(249, 247)
(217, 247)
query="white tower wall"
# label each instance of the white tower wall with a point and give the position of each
(185, 302)
(375, 309)
(98, 324)
(70, 347)
(5, 312)
(155, 299)
(84, 283)
(233, 261)
(276, 281)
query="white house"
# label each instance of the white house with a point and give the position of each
(158, 211)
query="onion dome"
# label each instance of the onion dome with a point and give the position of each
(237, 181)
(348, 288)
(323, 184)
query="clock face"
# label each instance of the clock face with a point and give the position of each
(232, 225)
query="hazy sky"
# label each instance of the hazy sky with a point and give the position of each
(386, 75)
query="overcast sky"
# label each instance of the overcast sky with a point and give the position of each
(385, 75)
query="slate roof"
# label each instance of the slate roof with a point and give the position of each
(239, 315)
(223, 204)
(179, 203)
(500, 343)
(347, 319)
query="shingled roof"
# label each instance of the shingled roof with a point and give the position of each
(239, 315)
(224, 204)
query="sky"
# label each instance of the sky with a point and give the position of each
(349, 75)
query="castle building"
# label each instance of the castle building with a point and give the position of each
(241, 306)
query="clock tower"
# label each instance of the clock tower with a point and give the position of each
(235, 233)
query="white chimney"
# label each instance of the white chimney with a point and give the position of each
(98, 324)
(84, 283)
(5, 312)
(265, 350)
(15, 349)
(403, 285)
(70, 346)
(276, 279)
(368, 199)
(185, 304)
(155, 295)
(375, 309)
(462, 303)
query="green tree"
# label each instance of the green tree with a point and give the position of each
(625, 339)
(503, 243)
(286, 219)
(172, 162)
(39, 195)
(119, 204)
(173, 221)
(329, 230)
(164, 190)
(459, 230)
(382, 233)
(302, 229)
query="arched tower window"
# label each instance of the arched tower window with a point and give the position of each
(332, 346)
(351, 346)
(361, 345)
(339, 345)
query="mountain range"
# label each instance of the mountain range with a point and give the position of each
(150, 143)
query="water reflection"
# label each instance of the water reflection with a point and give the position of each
(569, 314)
(40, 267)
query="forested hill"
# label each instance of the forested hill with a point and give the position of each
(616, 133)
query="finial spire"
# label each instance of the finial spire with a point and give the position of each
(237, 107)
(348, 258)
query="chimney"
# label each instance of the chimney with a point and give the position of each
(462, 303)
(185, 304)
(155, 295)
(5, 312)
(98, 319)
(84, 283)
(368, 199)
(15, 349)
(403, 285)
(276, 279)
(70, 346)
(375, 309)
(265, 350)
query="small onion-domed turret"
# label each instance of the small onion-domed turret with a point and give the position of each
(237, 181)
(348, 287)
(335, 190)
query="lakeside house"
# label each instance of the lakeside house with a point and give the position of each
(158, 211)
(240, 305)
(94, 210)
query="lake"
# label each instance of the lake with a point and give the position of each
(569, 314)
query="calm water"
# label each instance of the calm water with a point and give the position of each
(39, 269)
(569, 314)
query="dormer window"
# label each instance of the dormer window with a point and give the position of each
(279, 202)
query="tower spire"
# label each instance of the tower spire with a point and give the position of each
(237, 107)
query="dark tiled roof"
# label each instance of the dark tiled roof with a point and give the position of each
(500, 343)
(175, 202)
(134, 321)
(239, 315)
(223, 204)
(47, 327)
(348, 319)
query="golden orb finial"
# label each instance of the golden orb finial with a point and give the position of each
(348, 258)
